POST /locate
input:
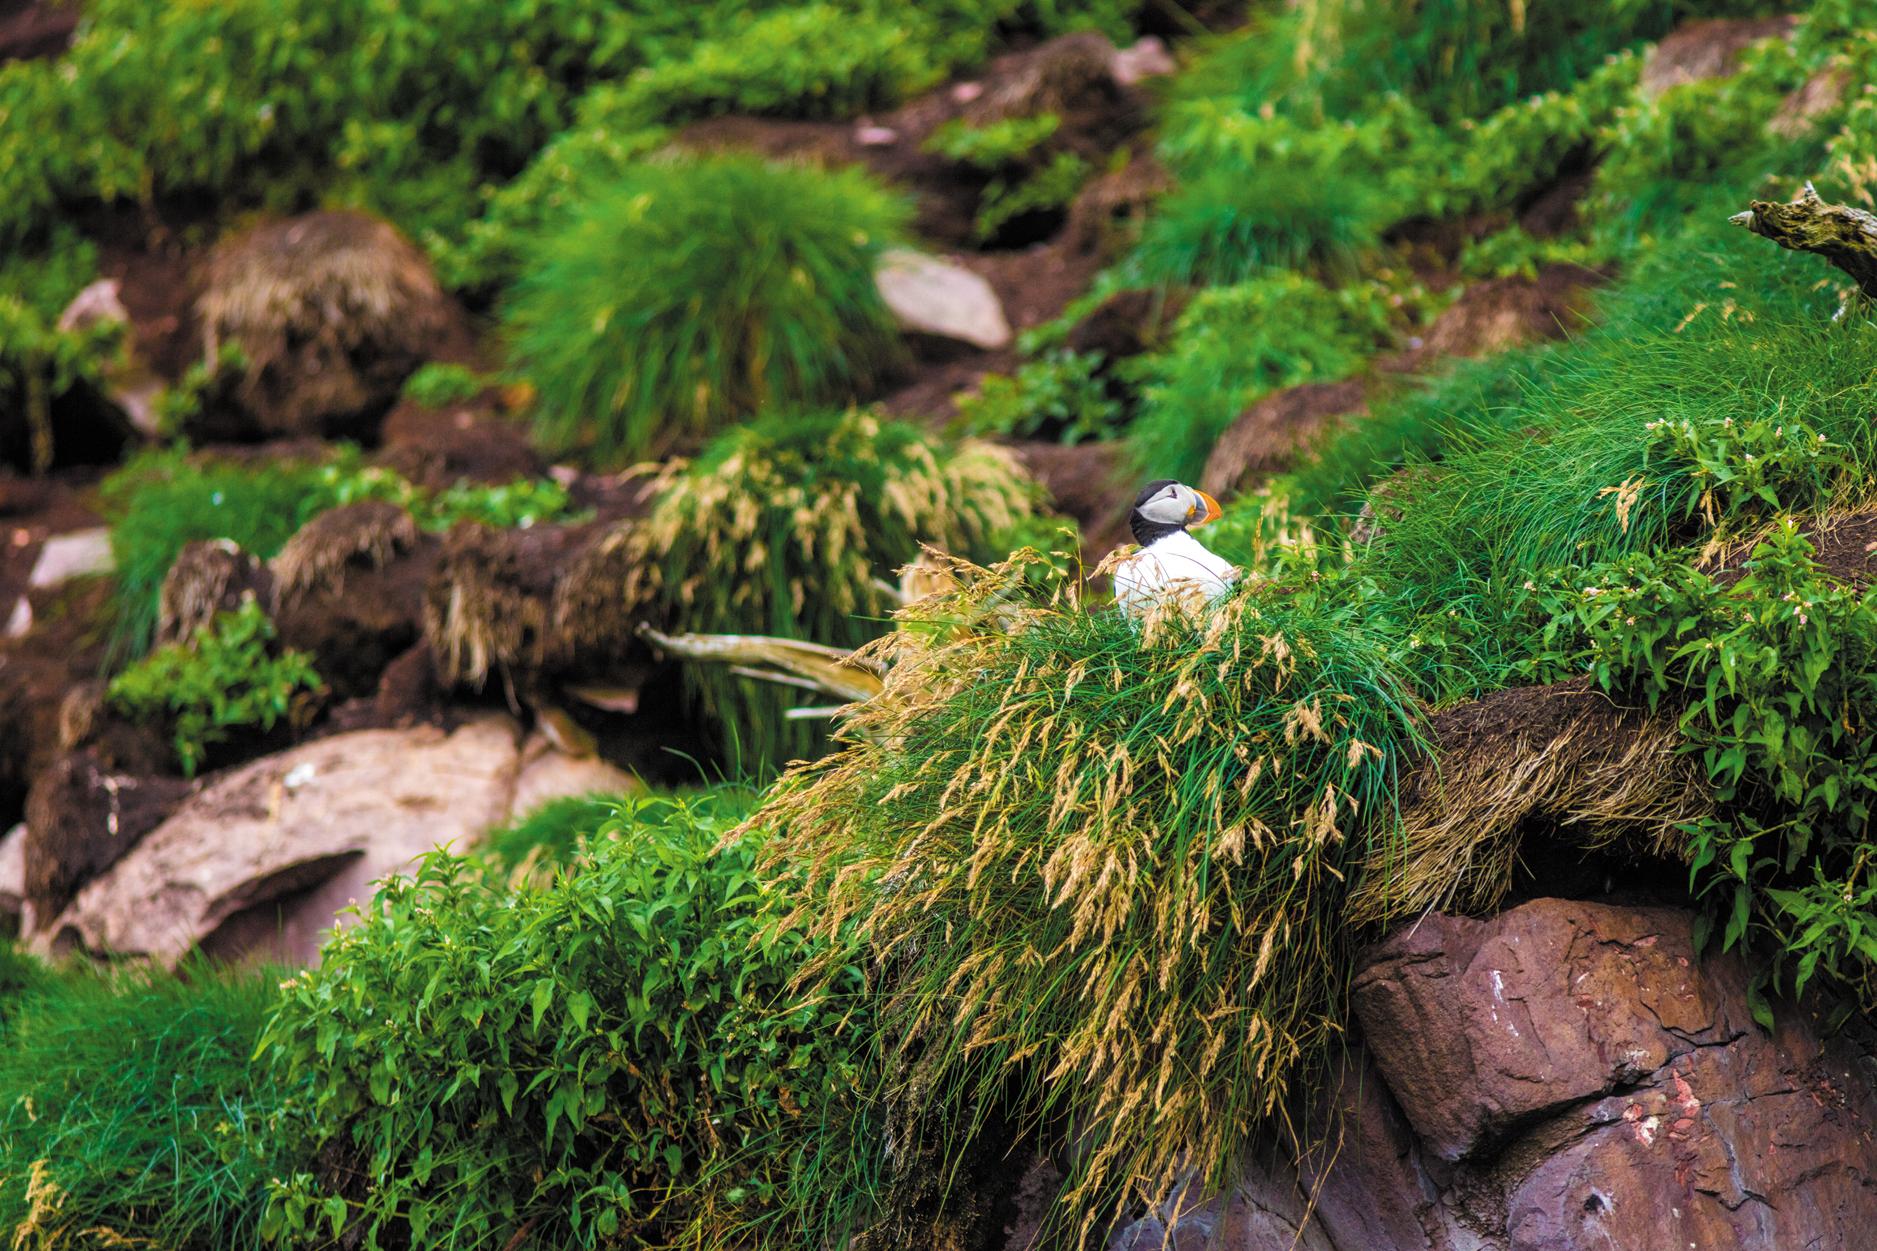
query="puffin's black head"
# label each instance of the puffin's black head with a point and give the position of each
(1166, 507)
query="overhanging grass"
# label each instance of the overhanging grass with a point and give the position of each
(1103, 866)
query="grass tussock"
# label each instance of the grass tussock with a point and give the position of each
(692, 292)
(791, 526)
(1102, 865)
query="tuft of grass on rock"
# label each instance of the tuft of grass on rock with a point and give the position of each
(1101, 863)
(692, 292)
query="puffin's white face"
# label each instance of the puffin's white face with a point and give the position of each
(1177, 504)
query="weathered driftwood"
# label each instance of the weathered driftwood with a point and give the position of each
(791, 662)
(1845, 236)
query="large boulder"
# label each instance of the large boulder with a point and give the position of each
(1486, 1026)
(1566, 1076)
(263, 858)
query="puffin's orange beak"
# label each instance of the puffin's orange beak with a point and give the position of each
(1213, 511)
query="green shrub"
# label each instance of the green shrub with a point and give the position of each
(693, 292)
(1102, 863)
(1234, 344)
(226, 678)
(1770, 674)
(130, 1115)
(39, 363)
(617, 1057)
(1060, 396)
(438, 385)
(1229, 224)
(791, 526)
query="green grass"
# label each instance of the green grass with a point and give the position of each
(1231, 346)
(129, 1111)
(692, 292)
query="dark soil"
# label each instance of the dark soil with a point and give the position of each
(1273, 433)
(472, 442)
(35, 28)
(1502, 313)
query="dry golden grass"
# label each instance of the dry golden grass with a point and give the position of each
(1103, 864)
(1598, 773)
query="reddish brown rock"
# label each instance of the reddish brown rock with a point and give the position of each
(1269, 436)
(1482, 1027)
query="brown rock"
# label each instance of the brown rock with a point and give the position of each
(1707, 49)
(263, 858)
(473, 442)
(1482, 1027)
(1269, 436)
(1763, 1145)
(332, 312)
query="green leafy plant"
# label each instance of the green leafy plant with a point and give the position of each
(692, 292)
(791, 526)
(618, 1055)
(1234, 344)
(1770, 674)
(994, 145)
(439, 385)
(226, 678)
(1061, 396)
(130, 1114)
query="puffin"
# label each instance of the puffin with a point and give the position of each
(1171, 564)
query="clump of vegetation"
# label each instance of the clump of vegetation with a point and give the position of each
(130, 1114)
(228, 677)
(1102, 862)
(1062, 396)
(439, 385)
(1027, 174)
(1234, 344)
(791, 526)
(165, 500)
(1769, 673)
(39, 365)
(553, 833)
(619, 1055)
(693, 292)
